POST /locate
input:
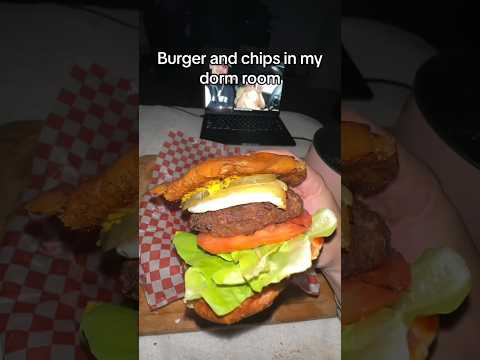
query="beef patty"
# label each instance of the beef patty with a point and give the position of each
(246, 219)
(370, 241)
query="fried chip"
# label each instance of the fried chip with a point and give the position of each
(288, 169)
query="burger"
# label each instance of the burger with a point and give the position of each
(390, 307)
(370, 266)
(250, 232)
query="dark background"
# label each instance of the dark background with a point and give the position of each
(444, 24)
(301, 25)
(189, 26)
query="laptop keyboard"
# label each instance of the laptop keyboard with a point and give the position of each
(244, 123)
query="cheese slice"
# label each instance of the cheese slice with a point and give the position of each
(273, 192)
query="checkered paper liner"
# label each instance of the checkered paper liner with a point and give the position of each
(161, 271)
(44, 285)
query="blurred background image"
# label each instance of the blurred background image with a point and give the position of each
(408, 72)
(69, 112)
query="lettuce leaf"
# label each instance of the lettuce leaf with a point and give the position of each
(440, 283)
(198, 277)
(292, 257)
(270, 264)
(324, 223)
(222, 299)
(96, 326)
(224, 281)
(248, 265)
(380, 336)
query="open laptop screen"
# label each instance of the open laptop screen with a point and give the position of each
(241, 93)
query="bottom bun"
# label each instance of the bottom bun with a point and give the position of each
(421, 335)
(249, 307)
(253, 305)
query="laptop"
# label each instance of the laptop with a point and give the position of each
(245, 113)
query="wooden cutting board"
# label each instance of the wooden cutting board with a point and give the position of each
(292, 305)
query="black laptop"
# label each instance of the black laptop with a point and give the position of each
(245, 114)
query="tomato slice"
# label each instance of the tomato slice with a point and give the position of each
(271, 234)
(304, 220)
(421, 334)
(363, 294)
(316, 246)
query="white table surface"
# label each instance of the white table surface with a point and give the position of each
(316, 339)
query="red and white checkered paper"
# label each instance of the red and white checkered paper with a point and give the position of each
(161, 272)
(44, 286)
